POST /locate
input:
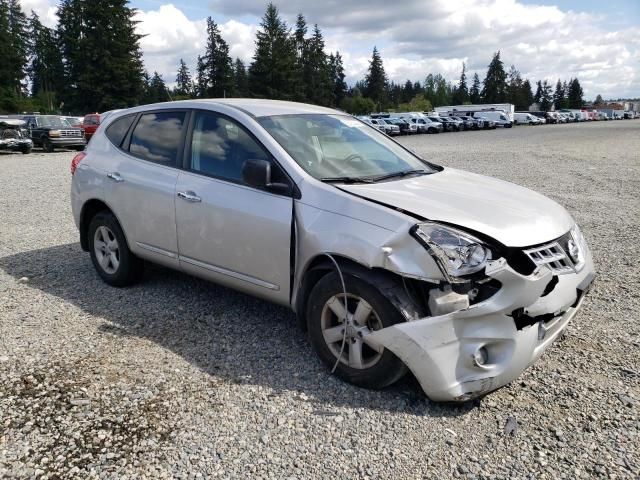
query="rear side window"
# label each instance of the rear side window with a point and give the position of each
(118, 129)
(157, 137)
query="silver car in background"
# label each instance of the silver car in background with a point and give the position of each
(391, 263)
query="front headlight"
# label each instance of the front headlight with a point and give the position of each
(54, 133)
(456, 252)
(577, 247)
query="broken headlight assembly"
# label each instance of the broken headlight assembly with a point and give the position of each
(457, 253)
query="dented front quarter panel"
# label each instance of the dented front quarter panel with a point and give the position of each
(440, 350)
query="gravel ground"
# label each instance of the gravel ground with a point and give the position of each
(180, 378)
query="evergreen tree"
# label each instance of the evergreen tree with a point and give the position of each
(240, 79)
(216, 65)
(527, 94)
(495, 83)
(559, 96)
(474, 93)
(337, 77)
(156, 90)
(273, 71)
(537, 98)
(514, 89)
(102, 57)
(13, 54)
(202, 82)
(575, 94)
(184, 82)
(599, 100)
(46, 71)
(437, 90)
(376, 80)
(317, 72)
(546, 98)
(462, 92)
(302, 69)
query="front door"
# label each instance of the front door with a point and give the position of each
(227, 231)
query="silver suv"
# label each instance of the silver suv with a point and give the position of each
(390, 262)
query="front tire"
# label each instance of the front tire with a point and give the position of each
(361, 361)
(47, 146)
(110, 253)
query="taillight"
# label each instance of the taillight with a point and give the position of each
(76, 161)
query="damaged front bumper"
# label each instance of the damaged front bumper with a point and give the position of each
(468, 353)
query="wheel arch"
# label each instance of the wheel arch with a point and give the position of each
(89, 210)
(389, 284)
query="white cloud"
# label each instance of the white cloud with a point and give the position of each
(46, 10)
(415, 37)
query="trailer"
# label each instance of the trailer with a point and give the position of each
(507, 108)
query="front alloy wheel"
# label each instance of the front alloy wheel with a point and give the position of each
(106, 249)
(341, 336)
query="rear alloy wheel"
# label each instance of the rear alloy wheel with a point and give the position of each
(110, 253)
(342, 334)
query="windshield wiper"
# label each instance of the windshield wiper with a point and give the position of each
(401, 173)
(346, 180)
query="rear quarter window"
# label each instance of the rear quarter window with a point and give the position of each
(119, 128)
(157, 137)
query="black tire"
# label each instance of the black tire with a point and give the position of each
(389, 368)
(47, 146)
(26, 150)
(130, 268)
(79, 148)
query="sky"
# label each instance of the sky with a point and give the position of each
(596, 41)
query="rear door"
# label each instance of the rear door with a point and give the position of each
(229, 232)
(142, 179)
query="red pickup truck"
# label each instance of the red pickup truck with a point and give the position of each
(90, 124)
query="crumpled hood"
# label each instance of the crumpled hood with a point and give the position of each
(513, 215)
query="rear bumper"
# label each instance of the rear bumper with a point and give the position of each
(441, 351)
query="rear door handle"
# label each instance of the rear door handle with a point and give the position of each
(115, 176)
(189, 196)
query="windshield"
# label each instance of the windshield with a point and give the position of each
(51, 121)
(331, 146)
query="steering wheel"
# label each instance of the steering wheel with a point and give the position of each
(354, 157)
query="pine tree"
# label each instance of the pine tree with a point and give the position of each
(102, 57)
(302, 68)
(474, 93)
(527, 94)
(202, 82)
(317, 73)
(337, 77)
(495, 83)
(184, 82)
(240, 79)
(546, 98)
(599, 100)
(462, 92)
(537, 98)
(272, 73)
(559, 96)
(575, 94)
(216, 65)
(376, 79)
(13, 54)
(46, 70)
(156, 90)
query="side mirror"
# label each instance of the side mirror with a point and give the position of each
(257, 173)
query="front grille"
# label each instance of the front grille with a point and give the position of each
(70, 133)
(553, 255)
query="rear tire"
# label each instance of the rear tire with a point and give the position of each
(26, 150)
(110, 254)
(369, 310)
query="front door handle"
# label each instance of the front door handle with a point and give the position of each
(115, 176)
(189, 196)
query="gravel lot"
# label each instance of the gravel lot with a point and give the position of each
(180, 378)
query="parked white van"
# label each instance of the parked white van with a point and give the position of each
(520, 118)
(500, 118)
